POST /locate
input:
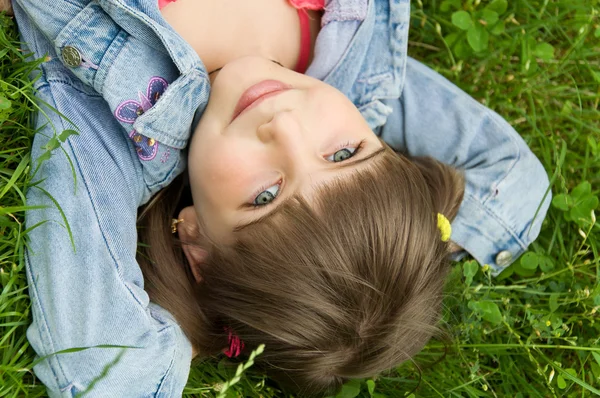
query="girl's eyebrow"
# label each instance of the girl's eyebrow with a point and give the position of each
(282, 202)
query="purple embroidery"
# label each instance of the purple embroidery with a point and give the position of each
(89, 64)
(129, 110)
(165, 156)
(146, 147)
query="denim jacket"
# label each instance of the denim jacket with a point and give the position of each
(135, 90)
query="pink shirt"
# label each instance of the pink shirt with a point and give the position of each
(301, 6)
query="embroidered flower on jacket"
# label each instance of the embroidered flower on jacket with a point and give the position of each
(165, 156)
(129, 110)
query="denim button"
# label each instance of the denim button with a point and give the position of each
(503, 258)
(71, 56)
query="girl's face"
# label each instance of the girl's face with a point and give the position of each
(267, 134)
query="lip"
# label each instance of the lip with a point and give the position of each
(258, 93)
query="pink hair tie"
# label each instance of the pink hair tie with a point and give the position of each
(236, 345)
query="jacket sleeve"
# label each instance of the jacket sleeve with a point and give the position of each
(505, 182)
(93, 324)
(152, 97)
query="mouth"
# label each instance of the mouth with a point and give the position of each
(258, 93)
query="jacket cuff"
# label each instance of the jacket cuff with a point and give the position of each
(89, 43)
(488, 238)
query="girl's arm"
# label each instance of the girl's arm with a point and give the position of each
(505, 182)
(85, 285)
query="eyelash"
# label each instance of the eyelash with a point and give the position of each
(262, 189)
(358, 148)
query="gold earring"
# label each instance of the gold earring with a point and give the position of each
(174, 223)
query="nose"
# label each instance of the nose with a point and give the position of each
(286, 138)
(284, 129)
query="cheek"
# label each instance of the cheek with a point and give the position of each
(334, 112)
(219, 179)
(221, 172)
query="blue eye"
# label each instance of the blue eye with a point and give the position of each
(342, 154)
(266, 196)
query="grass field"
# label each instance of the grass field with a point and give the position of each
(531, 332)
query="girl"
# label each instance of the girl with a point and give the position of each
(304, 231)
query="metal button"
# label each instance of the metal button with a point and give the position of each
(71, 56)
(504, 258)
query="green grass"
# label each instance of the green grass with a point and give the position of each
(533, 331)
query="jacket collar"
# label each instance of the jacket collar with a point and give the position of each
(374, 66)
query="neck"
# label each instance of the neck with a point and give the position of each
(225, 30)
(287, 54)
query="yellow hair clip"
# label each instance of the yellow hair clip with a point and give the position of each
(444, 227)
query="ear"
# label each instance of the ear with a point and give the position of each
(191, 237)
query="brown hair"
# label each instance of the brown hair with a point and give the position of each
(346, 287)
